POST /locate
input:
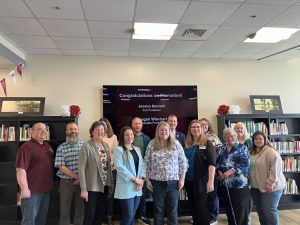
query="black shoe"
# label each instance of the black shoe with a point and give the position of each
(144, 220)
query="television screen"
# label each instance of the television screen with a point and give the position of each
(151, 103)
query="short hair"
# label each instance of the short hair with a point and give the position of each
(210, 130)
(110, 131)
(171, 115)
(70, 123)
(229, 131)
(94, 125)
(135, 117)
(170, 141)
(246, 134)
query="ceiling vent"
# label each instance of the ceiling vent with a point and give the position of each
(194, 32)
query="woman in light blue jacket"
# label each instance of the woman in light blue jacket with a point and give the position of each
(130, 175)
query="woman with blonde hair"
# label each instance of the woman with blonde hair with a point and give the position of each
(199, 179)
(166, 166)
(242, 134)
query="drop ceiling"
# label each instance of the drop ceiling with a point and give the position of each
(104, 27)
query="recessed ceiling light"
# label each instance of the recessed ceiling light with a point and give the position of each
(154, 31)
(270, 35)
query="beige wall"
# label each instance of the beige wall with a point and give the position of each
(78, 80)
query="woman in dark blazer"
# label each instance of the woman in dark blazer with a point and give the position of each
(128, 161)
(95, 175)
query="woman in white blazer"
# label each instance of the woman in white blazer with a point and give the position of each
(130, 175)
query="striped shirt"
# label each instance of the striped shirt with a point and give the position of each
(67, 155)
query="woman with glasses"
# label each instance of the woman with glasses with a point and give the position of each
(199, 179)
(95, 175)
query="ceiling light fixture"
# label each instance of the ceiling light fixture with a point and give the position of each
(270, 35)
(153, 31)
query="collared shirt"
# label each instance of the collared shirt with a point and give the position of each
(165, 165)
(237, 159)
(67, 155)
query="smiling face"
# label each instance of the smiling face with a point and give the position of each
(72, 130)
(204, 125)
(259, 141)
(128, 137)
(230, 139)
(39, 132)
(196, 130)
(98, 132)
(137, 125)
(163, 133)
(239, 130)
(172, 121)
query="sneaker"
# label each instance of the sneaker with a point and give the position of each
(144, 220)
(213, 222)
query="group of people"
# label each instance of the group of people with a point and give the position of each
(94, 173)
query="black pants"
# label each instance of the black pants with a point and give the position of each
(95, 208)
(198, 205)
(240, 199)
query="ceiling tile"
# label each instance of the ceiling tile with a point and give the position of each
(22, 26)
(32, 41)
(43, 51)
(110, 29)
(147, 45)
(285, 2)
(78, 52)
(75, 43)
(112, 10)
(69, 9)
(212, 13)
(207, 55)
(112, 53)
(176, 54)
(216, 46)
(263, 13)
(70, 28)
(182, 46)
(145, 54)
(14, 8)
(232, 33)
(289, 19)
(110, 44)
(157, 11)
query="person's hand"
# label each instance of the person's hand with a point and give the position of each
(220, 175)
(228, 173)
(25, 193)
(149, 185)
(269, 188)
(111, 188)
(180, 184)
(139, 182)
(77, 180)
(210, 186)
(84, 195)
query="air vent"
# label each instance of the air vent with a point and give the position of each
(194, 32)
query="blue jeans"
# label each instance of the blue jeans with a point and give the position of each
(165, 198)
(129, 207)
(141, 210)
(35, 209)
(266, 204)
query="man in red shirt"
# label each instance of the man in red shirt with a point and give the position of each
(34, 166)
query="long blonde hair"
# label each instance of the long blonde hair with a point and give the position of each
(246, 134)
(170, 141)
(190, 141)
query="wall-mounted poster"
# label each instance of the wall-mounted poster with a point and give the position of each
(152, 103)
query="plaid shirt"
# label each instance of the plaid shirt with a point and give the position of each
(67, 155)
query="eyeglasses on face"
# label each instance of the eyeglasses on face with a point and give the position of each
(41, 129)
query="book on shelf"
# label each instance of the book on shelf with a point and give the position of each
(251, 126)
(278, 127)
(291, 187)
(7, 133)
(291, 164)
(287, 147)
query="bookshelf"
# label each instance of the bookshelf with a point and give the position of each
(14, 131)
(283, 130)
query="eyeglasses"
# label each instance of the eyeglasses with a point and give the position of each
(41, 129)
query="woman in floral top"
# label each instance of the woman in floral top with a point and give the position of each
(232, 168)
(166, 166)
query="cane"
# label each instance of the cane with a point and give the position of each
(230, 203)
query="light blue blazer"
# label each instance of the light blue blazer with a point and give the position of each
(125, 167)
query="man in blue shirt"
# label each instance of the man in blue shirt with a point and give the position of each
(66, 161)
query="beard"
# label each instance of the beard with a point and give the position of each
(72, 139)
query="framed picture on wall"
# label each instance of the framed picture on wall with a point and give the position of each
(27, 106)
(265, 104)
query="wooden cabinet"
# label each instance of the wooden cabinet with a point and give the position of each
(283, 130)
(11, 130)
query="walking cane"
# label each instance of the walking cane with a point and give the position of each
(230, 203)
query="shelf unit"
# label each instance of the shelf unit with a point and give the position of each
(9, 212)
(283, 130)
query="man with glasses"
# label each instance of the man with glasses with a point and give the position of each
(34, 167)
(66, 161)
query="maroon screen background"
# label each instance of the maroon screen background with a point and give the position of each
(152, 103)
